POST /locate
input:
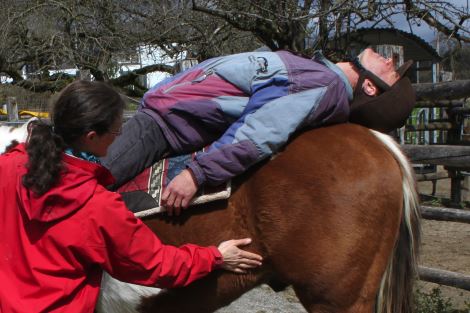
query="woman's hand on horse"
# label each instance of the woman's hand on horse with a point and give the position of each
(179, 193)
(236, 259)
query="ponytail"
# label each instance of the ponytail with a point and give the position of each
(44, 149)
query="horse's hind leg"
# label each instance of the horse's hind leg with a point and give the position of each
(315, 305)
(351, 287)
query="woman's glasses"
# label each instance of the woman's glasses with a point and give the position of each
(116, 132)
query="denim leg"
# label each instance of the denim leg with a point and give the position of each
(140, 145)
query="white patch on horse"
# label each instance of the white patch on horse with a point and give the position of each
(119, 297)
(10, 133)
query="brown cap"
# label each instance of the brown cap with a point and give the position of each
(404, 68)
(387, 111)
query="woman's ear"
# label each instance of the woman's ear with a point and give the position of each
(369, 88)
(89, 137)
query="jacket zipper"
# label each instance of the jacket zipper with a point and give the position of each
(197, 80)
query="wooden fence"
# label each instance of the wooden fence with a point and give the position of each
(442, 123)
(438, 276)
(454, 158)
(446, 144)
(25, 99)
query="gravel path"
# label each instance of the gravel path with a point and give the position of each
(264, 300)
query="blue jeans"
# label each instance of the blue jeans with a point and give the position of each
(140, 145)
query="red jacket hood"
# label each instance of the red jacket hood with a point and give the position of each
(76, 186)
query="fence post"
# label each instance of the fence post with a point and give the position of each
(84, 75)
(12, 109)
(456, 179)
(465, 187)
(454, 135)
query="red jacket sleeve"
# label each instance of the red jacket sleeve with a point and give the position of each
(128, 250)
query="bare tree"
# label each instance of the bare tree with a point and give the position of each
(310, 24)
(93, 35)
(44, 35)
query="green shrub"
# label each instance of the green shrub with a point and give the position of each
(434, 302)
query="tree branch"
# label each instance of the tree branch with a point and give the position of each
(130, 77)
(431, 20)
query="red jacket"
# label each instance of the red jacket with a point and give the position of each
(54, 247)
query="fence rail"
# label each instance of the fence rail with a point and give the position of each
(430, 126)
(446, 155)
(445, 214)
(442, 277)
(438, 276)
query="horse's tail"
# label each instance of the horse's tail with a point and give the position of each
(396, 289)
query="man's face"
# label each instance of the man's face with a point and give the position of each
(380, 66)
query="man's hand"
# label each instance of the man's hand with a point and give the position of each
(179, 193)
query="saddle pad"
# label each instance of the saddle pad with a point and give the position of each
(142, 194)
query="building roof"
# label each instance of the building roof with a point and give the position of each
(415, 48)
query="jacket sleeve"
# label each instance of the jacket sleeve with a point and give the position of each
(270, 118)
(128, 250)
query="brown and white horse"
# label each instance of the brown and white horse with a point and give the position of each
(335, 215)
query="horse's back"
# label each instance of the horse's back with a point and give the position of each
(334, 171)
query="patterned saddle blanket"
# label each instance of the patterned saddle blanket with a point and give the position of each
(142, 195)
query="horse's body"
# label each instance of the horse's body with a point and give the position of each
(334, 215)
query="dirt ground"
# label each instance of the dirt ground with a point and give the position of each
(445, 245)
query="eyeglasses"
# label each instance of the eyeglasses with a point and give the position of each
(383, 86)
(116, 132)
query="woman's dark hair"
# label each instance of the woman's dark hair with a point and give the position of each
(81, 107)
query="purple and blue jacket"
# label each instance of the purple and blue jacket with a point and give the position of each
(246, 106)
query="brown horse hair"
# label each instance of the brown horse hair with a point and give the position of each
(396, 289)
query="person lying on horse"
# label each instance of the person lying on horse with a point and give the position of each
(61, 228)
(246, 106)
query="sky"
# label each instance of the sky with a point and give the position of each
(424, 31)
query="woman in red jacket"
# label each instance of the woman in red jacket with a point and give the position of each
(60, 227)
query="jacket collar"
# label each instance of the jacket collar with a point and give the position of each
(319, 57)
(77, 185)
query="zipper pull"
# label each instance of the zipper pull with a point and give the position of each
(203, 76)
(199, 79)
